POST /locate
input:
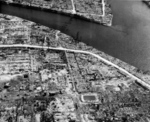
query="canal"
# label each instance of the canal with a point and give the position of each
(128, 39)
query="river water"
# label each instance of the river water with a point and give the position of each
(128, 39)
(132, 17)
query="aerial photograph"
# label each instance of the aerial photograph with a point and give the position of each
(74, 60)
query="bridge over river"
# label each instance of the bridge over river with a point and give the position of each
(128, 39)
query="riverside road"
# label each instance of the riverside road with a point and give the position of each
(128, 39)
(145, 84)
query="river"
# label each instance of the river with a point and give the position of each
(128, 39)
(132, 17)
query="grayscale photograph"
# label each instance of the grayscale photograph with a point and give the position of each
(74, 60)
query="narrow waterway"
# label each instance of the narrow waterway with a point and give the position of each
(128, 39)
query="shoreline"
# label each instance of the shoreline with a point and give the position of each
(76, 16)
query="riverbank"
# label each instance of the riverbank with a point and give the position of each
(122, 41)
(57, 39)
(101, 15)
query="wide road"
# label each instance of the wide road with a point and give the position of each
(83, 52)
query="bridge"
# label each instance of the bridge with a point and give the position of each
(106, 39)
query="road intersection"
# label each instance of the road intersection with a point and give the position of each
(103, 9)
(83, 52)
